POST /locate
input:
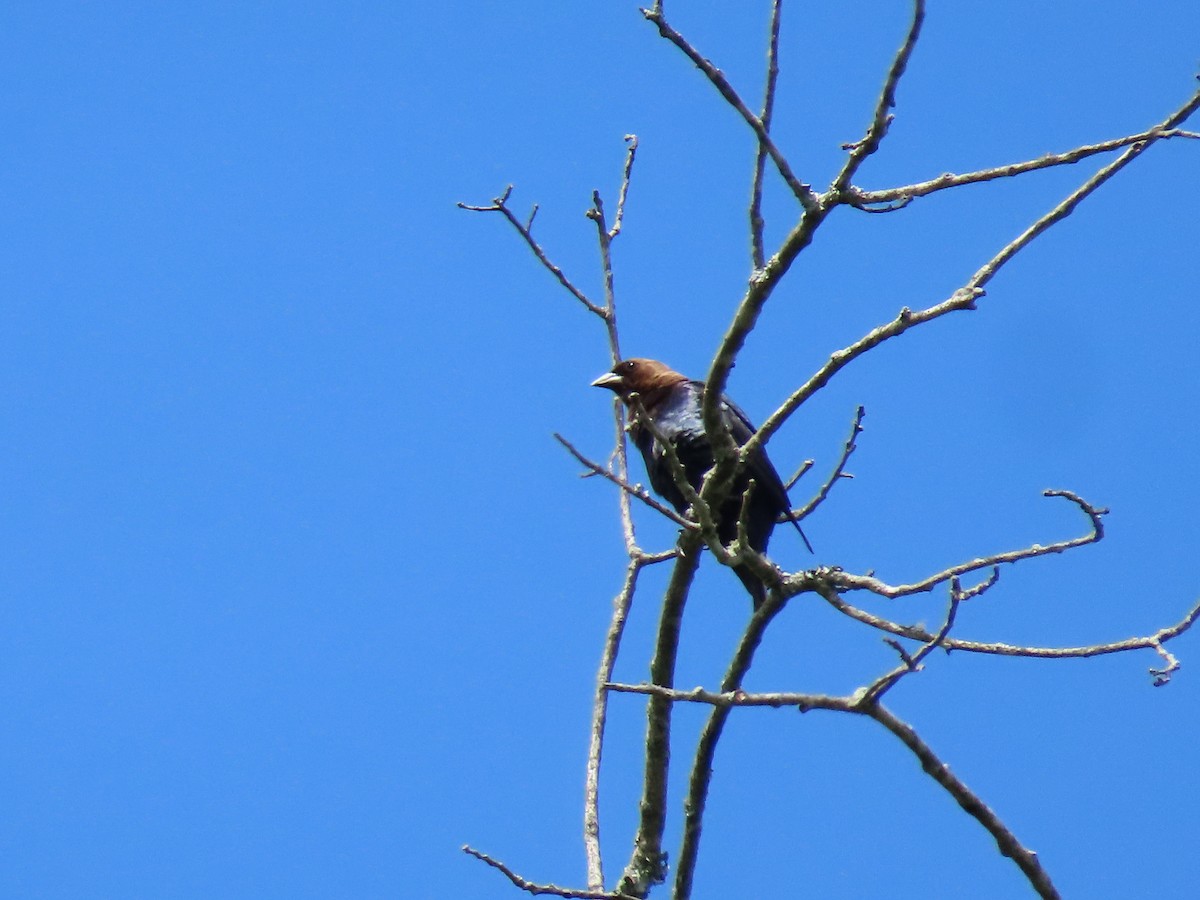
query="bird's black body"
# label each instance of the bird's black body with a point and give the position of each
(672, 402)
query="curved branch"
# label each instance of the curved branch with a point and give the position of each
(874, 585)
(1025, 858)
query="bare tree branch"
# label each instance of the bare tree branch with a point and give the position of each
(874, 693)
(608, 659)
(500, 205)
(962, 299)
(882, 119)
(802, 191)
(623, 601)
(706, 747)
(623, 195)
(760, 157)
(837, 474)
(1153, 642)
(1064, 209)
(550, 889)
(870, 583)
(647, 866)
(638, 558)
(799, 473)
(860, 198)
(635, 490)
(1025, 859)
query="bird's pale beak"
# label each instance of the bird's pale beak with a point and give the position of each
(610, 380)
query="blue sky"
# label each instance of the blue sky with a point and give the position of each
(300, 595)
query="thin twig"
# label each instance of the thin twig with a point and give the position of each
(607, 313)
(634, 490)
(534, 888)
(500, 205)
(800, 472)
(882, 119)
(624, 599)
(847, 581)
(861, 198)
(874, 693)
(591, 807)
(918, 633)
(760, 155)
(802, 192)
(836, 475)
(632, 141)
(1064, 209)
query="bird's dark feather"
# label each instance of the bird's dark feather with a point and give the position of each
(673, 404)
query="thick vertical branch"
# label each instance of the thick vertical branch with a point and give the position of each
(706, 748)
(647, 866)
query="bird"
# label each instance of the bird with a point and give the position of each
(672, 402)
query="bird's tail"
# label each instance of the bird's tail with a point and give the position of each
(804, 537)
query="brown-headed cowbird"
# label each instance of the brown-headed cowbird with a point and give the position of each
(672, 403)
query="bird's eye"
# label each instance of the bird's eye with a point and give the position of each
(627, 365)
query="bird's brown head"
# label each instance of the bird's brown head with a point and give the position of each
(639, 376)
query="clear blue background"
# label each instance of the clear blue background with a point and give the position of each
(298, 593)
